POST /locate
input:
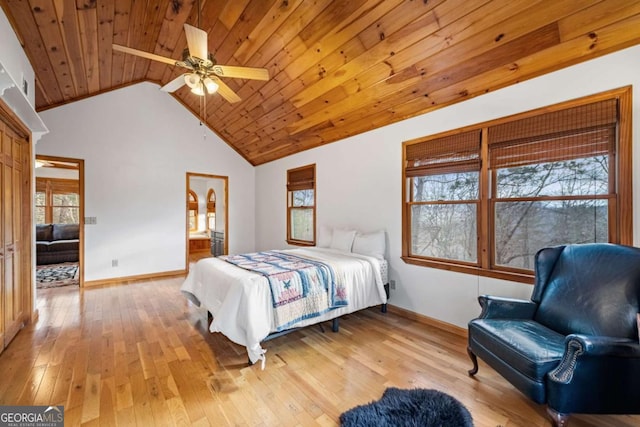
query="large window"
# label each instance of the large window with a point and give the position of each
(57, 201)
(486, 198)
(301, 205)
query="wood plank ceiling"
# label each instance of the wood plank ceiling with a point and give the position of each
(338, 68)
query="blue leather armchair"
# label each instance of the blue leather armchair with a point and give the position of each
(574, 346)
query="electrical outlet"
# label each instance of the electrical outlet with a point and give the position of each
(114, 263)
(392, 284)
(90, 220)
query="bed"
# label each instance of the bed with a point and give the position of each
(241, 301)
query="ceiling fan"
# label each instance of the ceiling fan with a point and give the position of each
(204, 73)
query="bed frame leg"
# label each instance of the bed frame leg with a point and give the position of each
(335, 326)
(383, 307)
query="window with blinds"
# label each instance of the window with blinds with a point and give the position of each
(444, 174)
(301, 205)
(486, 198)
(551, 176)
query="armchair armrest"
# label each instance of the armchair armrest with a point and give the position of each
(607, 346)
(506, 308)
(583, 347)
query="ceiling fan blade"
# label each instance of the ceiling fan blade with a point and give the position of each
(241, 72)
(174, 84)
(143, 54)
(196, 41)
(226, 92)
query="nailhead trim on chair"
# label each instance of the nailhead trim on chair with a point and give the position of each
(564, 371)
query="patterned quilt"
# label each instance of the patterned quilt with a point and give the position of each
(300, 288)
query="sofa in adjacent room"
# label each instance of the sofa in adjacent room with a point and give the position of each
(57, 243)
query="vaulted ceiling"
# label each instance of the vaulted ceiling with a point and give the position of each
(337, 68)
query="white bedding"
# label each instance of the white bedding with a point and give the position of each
(240, 300)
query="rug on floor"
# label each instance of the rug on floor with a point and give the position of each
(413, 407)
(54, 275)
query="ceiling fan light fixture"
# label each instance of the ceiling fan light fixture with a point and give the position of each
(212, 87)
(192, 80)
(198, 90)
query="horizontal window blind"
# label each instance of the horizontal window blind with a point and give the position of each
(58, 185)
(578, 132)
(452, 153)
(303, 178)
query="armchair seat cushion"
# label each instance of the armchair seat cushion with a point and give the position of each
(527, 346)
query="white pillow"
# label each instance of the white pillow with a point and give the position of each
(324, 237)
(342, 239)
(372, 244)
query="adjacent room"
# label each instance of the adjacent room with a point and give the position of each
(321, 213)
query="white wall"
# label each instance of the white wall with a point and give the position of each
(14, 59)
(359, 181)
(56, 173)
(138, 143)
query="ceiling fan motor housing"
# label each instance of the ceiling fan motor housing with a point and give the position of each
(197, 63)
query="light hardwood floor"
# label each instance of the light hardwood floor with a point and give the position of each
(139, 354)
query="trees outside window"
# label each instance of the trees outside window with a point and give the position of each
(57, 201)
(301, 205)
(549, 204)
(486, 198)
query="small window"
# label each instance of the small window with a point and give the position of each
(301, 205)
(211, 210)
(193, 211)
(41, 207)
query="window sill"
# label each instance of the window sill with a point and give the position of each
(470, 269)
(301, 243)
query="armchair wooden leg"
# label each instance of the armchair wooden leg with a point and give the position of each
(474, 359)
(558, 419)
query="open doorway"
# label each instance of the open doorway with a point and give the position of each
(206, 216)
(59, 217)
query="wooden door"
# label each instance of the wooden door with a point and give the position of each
(14, 192)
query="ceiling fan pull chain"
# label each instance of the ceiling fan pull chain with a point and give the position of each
(204, 117)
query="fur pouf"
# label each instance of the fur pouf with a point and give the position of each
(408, 408)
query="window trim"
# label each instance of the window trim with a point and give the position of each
(301, 185)
(623, 200)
